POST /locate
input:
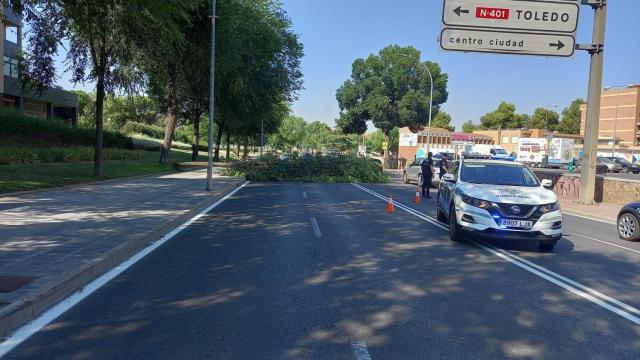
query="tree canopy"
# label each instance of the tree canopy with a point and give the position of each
(443, 121)
(469, 127)
(544, 119)
(504, 117)
(571, 115)
(391, 89)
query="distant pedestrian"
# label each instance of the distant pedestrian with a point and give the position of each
(428, 170)
(443, 166)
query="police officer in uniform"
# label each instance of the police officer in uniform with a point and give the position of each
(427, 175)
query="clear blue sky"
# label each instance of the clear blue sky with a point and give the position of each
(336, 32)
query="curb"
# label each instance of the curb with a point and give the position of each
(24, 310)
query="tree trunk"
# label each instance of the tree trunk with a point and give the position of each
(245, 153)
(172, 118)
(216, 156)
(97, 160)
(195, 146)
(386, 150)
(238, 149)
(228, 155)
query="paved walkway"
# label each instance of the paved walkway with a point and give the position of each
(45, 235)
(602, 211)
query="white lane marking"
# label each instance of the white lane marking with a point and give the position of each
(60, 308)
(360, 351)
(606, 242)
(568, 284)
(304, 194)
(316, 228)
(588, 218)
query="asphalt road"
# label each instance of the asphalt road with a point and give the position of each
(291, 271)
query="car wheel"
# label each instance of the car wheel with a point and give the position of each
(439, 214)
(547, 245)
(579, 168)
(405, 179)
(625, 170)
(628, 227)
(455, 234)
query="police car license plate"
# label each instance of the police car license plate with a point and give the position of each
(518, 224)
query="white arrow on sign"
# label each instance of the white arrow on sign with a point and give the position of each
(507, 42)
(525, 15)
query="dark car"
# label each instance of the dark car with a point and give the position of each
(629, 222)
(627, 166)
(600, 167)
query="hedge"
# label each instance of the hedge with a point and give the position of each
(30, 155)
(155, 132)
(56, 132)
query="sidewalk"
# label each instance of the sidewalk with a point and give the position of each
(604, 212)
(54, 242)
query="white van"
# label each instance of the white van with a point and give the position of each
(496, 152)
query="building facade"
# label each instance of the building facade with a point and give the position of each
(619, 123)
(441, 141)
(52, 103)
(508, 139)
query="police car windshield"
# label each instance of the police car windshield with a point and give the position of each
(498, 174)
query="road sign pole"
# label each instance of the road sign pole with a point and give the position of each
(588, 177)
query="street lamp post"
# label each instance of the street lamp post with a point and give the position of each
(430, 98)
(211, 98)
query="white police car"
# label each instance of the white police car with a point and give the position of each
(498, 199)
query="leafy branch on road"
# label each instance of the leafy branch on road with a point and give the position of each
(318, 168)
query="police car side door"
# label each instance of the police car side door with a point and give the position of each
(447, 188)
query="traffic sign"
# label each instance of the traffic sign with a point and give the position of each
(526, 15)
(520, 27)
(507, 42)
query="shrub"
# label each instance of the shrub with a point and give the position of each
(153, 131)
(56, 132)
(29, 155)
(333, 169)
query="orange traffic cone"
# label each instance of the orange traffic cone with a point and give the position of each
(417, 198)
(390, 207)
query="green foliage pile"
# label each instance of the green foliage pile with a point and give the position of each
(13, 155)
(56, 132)
(318, 168)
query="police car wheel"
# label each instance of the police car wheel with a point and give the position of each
(405, 179)
(455, 234)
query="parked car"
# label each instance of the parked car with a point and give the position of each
(499, 199)
(627, 166)
(612, 166)
(413, 172)
(629, 222)
(601, 168)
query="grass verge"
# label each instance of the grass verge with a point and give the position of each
(43, 176)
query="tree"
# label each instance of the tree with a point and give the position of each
(290, 134)
(101, 37)
(374, 141)
(316, 136)
(571, 116)
(468, 127)
(504, 117)
(86, 108)
(391, 89)
(258, 70)
(544, 119)
(443, 121)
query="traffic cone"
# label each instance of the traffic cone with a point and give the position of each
(390, 207)
(417, 198)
